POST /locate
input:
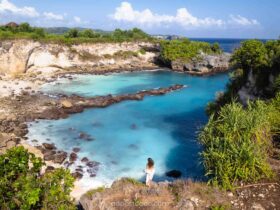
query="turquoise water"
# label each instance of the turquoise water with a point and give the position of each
(126, 134)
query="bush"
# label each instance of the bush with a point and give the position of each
(184, 50)
(73, 36)
(22, 187)
(252, 55)
(236, 142)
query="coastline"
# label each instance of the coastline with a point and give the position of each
(25, 104)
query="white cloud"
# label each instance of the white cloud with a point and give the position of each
(125, 12)
(8, 7)
(77, 19)
(239, 20)
(52, 16)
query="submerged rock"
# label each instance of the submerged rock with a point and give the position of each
(85, 136)
(85, 160)
(92, 164)
(76, 149)
(133, 126)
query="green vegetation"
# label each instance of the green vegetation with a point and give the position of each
(22, 186)
(262, 60)
(90, 193)
(137, 202)
(220, 207)
(185, 50)
(237, 140)
(133, 181)
(72, 36)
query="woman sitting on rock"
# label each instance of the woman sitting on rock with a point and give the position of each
(150, 171)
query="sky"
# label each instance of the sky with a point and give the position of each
(190, 18)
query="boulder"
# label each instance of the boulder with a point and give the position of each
(77, 175)
(66, 104)
(85, 160)
(60, 157)
(49, 146)
(73, 157)
(174, 173)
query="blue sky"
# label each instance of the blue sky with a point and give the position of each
(191, 18)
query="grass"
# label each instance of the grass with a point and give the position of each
(137, 201)
(90, 193)
(220, 207)
(237, 142)
(176, 192)
(133, 181)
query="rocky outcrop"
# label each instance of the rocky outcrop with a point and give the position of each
(129, 194)
(27, 56)
(205, 64)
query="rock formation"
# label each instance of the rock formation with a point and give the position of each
(22, 56)
(206, 64)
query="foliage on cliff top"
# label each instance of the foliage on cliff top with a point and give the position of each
(73, 36)
(185, 50)
(22, 186)
(263, 59)
(237, 142)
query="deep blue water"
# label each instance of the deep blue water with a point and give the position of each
(126, 134)
(227, 44)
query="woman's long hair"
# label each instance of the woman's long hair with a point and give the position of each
(151, 163)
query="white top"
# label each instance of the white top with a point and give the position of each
(150, 171)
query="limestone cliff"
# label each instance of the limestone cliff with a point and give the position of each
(23, 56)
(205, 64)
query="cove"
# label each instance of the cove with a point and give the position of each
(127, 133)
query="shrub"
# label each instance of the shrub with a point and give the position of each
(22, 187)
(236, 143)
(97, 190)
(252, 55)
(72, 33)
(184, 50)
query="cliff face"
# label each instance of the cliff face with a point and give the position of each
(205, 65)
(23, 56)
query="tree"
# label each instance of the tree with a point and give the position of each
(24, 27)
(252, 55)
(88, 33)
(215, 47)
(72, 33)
(22, 186)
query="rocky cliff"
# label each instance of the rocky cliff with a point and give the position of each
(24, 56)
(205, 64)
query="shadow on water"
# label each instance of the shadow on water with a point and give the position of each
(185, 156)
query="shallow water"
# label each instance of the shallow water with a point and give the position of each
(126, 134)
